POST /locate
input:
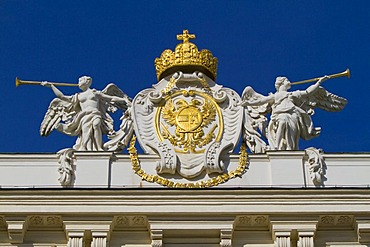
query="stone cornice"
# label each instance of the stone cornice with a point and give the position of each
(159, 202)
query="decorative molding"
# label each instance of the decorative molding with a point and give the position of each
(157, 243)
(44, 221)
(139, 221)
(225, 243)
(157, 237)
(226, 237)
(261, 220)
(75, 241)
(168, 159)
(66, 159)
(17, 228)
(244, 220)
(305, 240)
(345, 220)
(299, 232)
(99, 241)
(135, 221)
(344, 244)
(282, 239)
(220, 179)
(363, 230)
(316, 166)
(336, 221)
(211, 157)
(35, 220)
(122, 221)
(252, 221)
(327, 220)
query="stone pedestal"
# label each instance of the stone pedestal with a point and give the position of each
(93, 169)
(286, 170)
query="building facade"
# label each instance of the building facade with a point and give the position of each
(189, 187)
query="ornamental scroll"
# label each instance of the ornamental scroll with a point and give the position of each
(186, 124)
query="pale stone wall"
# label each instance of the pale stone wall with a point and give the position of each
(181, 217)
(275, 203)
(107, 170)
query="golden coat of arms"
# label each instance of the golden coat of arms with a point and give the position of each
(187, 120)
(191, 122)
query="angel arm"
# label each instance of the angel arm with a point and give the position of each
(113, 98)
(57, 92)
(260, 101)
(112, 94)
(313, 88)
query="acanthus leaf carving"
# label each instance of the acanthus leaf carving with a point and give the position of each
(66, 160)
(316, 166)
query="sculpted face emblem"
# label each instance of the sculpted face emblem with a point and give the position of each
(189, 118)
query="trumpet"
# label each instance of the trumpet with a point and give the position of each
(344, 73)
(21, 82)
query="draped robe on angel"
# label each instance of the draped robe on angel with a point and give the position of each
(82, 124)
(290, 117)
(86, 115)
(291, 121)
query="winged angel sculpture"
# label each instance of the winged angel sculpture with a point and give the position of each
(290, 117)
(86, 115)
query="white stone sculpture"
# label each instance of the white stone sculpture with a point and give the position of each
(120, 139)
(316, 166)
(191, 122)
(66, 160)
(290, 117)
(188, 120)
(85, 115)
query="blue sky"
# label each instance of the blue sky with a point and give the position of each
(117, 41)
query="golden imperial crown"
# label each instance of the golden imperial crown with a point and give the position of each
(186, 58)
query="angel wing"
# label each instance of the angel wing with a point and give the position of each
(322, 99)
(254, 121)
(112, 90)
(58, 111)
(168, 113)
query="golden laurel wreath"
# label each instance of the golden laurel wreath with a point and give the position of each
(243, 165)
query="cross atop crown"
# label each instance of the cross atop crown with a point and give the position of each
(185, 56)
(185, 36)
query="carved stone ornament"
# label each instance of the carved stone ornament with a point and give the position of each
(86, 115)
(252, 221)
(191, 122)
(130, 222)
(316, 166)
(188, 120)
(338, 221)
(45, 221)
(290, 114)
(66, 159)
